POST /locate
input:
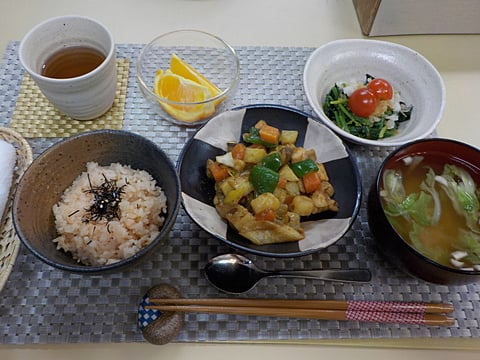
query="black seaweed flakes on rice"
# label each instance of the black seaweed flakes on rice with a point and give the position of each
(142, 208)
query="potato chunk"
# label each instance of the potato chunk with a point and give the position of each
(287, 173)
(265, 201)
(302, 205)
(253, 155)
(288, 137)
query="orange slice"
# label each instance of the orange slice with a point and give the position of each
(182, 68)
(179, 89)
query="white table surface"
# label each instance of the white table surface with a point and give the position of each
(264, 23)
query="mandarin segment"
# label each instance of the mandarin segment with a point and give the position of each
(182, 83)
(178, 89)
(182, 68)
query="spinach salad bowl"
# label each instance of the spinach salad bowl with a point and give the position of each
(404, 103)
(210, 141)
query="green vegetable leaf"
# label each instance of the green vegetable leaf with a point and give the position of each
(428, 185)
(393, 189)
(470, 242)
(420, 208)
(461, 189)
(417, 207)
(336, 108)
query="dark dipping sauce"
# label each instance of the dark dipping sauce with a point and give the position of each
(72, 61)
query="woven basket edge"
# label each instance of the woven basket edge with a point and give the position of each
(24, 158)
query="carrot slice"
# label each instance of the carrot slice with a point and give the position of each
(311, 182)
(269, 134)
(238, 151)
(282, 182)
(218, 171)
(265, 215)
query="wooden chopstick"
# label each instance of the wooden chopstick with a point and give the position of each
(319, 314)
(355, 305)
(337, 310)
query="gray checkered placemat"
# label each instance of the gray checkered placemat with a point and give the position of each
(40, 304)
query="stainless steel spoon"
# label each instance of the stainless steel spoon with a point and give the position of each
(233, 273)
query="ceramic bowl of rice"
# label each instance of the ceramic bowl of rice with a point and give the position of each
(97, 202)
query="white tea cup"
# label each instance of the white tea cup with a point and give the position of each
(83, 96)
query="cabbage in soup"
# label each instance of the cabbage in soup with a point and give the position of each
(436, 208)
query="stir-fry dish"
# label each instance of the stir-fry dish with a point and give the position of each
(265, 184)
(372, 110)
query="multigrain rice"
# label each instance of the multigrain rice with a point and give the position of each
(100, 241)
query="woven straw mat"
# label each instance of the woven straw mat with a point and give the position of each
(34, 116)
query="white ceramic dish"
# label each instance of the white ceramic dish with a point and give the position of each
(410, 73)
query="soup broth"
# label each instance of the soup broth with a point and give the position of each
(447, 238)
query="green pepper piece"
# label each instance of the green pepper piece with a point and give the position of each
(302, 168)
(253, 137)
(272, 161)
(263, 179)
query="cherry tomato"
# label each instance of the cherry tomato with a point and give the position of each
(362, 102)
(381, 88)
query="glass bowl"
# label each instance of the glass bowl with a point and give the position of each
(213, 60)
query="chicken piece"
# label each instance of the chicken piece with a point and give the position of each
(322, 172)
(258, 232)
(323, 202)
(237, 215)
(286, 152)
(269, 232)
(292, 219)
(300, 154)
(327, 188)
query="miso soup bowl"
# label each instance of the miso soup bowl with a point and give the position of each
(392, 245)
